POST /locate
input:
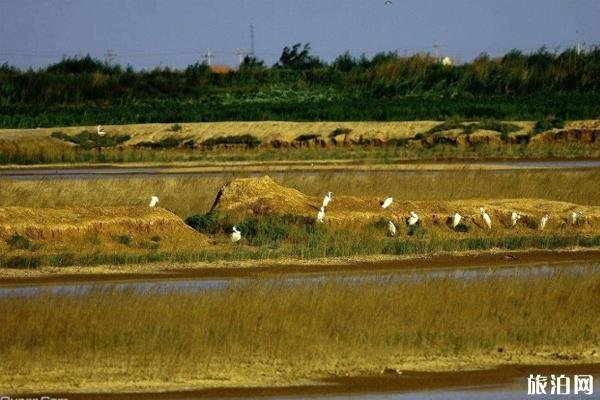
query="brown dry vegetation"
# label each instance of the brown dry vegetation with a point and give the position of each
(263, 333)
(266, 131)
(278, 221)
(300, 140)
(263, 196)
(195, 194)
(92, 230)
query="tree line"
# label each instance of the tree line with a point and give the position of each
(85, 84)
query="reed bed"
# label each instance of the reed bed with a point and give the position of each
(192, 195)
(111, 337)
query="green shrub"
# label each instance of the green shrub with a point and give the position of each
(205, 223)
(166, 143)
(305, 137)
(461, 228)
(176, 128)
(21, 262)
(19, 242)
(156, 238)
(247, 140)
(91, 140)
(125, 239)
(339, 131)
(546, 124)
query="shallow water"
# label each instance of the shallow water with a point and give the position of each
(105, 172)
(349, 278)
(514, 391)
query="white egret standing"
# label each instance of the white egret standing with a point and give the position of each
(413, 219)
(544, 221)
(235, 235)
(153, 201)
(386, 203)
(456, 220)
(514, 217)
(575, 217)
(100, 130)
(327, 199)
(391, 228)
(321, 215)
(486, 217)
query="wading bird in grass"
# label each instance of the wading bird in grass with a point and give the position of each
(413, 219)
(100, 130)
(514, 217)
(456, 220)
(544, 221)
(327, 199)
(391, 228)
(321, 215)
(575, 217)
(386, 203)
(153, 201)
(236, 235)
(486, 217)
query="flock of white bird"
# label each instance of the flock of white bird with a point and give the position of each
(413, 219)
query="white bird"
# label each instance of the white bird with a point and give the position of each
(575, 217)
(391, 228)
(456, 220)
(486, 217)
(514, 217)
(327, 199)
(543, 221)
(413, 219)
(100, 130)
(236, 235)
(386, 203)
(321, 215)
(153, 201)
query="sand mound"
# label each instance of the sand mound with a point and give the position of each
(73, 225)
(262, 196)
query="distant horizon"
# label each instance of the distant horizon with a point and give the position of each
(223, 67)
(177, 33)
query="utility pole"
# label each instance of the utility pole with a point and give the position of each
(578, 45)
(110, 56)
(209, 56)
(240, 53)
(251, 40)
(436, 50)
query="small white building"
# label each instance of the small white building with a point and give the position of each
(447, 61)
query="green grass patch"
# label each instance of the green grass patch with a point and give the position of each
(91, 140)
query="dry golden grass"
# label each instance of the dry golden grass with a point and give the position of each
(264, 130)
(264, 197)
(262, 332)
(191, 195)
(84, 230)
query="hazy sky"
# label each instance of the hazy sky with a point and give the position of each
(146, 33)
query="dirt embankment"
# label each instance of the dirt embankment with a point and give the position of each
(284, 135)
(263, 196)
(92, 229)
